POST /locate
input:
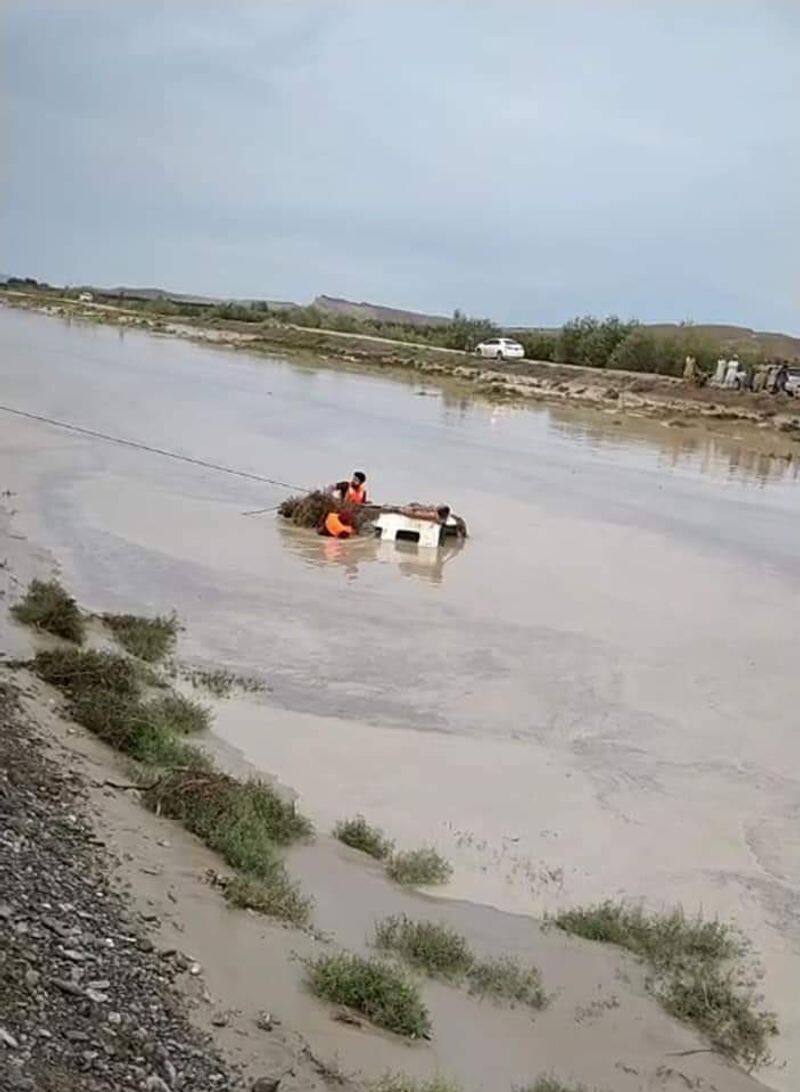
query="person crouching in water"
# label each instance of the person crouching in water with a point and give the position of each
(354, 491)
(338, 525)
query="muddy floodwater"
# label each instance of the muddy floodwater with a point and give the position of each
(596, 697)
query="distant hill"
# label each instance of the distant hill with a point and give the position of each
(376, 312)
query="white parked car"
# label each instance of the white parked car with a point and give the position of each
(500, 348)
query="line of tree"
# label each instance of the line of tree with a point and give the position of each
(628, 345)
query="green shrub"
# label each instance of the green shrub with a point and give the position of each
(436, 948)
(419, 866)
(278, 896)
(134, 727)
(539, 344)
(505, 980)
(663, 939)
(698, 972)
(377, 990)
(242, 821)
(180, 714)
(358, 834)
(79, 673)
(724, 1007)
(47, 606)
(398, 1082)
(151, 639)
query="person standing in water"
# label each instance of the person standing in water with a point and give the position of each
(354, 491)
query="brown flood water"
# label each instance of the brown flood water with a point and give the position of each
(596, 697)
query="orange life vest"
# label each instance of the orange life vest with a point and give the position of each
(356, 494)
(335, 528)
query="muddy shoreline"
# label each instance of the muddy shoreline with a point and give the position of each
(765, 423)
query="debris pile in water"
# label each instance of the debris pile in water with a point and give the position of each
(310, 510)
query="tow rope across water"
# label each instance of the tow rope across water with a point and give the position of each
(138, 446)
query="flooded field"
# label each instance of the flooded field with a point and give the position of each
(597, 696)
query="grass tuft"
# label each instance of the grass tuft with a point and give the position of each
(358, 834)
(278, 896)
(663, 939)
(80, 673)
(221, 682)
(699, 973)
(436, 948)
(419, 866)
(377, 990)
(399, 1082)
(47, 606)
(181, 715)
(150, 639)
(243, 821)
(551, 1084)
(444, 953)
(504, 979)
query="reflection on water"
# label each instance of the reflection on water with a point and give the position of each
(677, 446)
(689, 445)
(349, 555)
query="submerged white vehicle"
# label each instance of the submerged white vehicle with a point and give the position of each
(500, 348)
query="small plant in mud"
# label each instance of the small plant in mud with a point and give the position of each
(280, 897)
(415, 867)
(550, 1084)
(699, 972)
(436, 948)
(244, 822)
(151, 639)
(399, 1082)
(47, 606)
(220, 683)
(503, 979)
(377, 990)
(358, 834)
(442, 952)
(180, 714)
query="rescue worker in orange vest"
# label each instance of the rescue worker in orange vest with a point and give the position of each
(354, 491)
(338, 525)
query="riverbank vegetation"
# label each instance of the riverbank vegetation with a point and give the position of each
(121, 700)
(47, 606)
(698, 971)
(358, 834)
(442, 952)
(435, 948)
(399, 1082)
(376, 989)
(150, 639)
(419, 867)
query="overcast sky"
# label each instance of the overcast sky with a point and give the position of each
(528, 161)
